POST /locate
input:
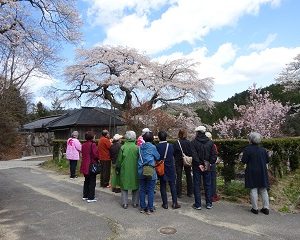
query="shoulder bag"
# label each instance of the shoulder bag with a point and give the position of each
(148, 170)
(187, 161)
(95, 168)
(160, 165)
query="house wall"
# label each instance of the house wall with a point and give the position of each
(38, 143)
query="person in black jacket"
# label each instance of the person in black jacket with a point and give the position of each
(186, 149)
(256, 174)
(202, 151)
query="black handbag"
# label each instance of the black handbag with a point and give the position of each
(95, 168)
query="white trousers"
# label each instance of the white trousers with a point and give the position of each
(254, 197)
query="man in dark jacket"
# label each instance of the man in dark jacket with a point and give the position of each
(202, 151)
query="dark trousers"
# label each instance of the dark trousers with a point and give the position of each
(189, 180)
(197, 176)
(105, 173)
(73, 165)
(163, 191)
(89, 186)
(213, 176)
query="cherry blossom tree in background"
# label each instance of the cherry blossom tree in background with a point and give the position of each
(290, 76)
(261, 114)
(128, 80)
(30, 35)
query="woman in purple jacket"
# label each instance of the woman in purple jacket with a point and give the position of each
(89, 156)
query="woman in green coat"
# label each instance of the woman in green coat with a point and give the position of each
(127, 163)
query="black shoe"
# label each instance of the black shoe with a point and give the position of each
(125, 206)
(176, 206)
(265, 211)
(179, 196)
(164, 206)
(190, 195)
(135, 205)
(254, 211)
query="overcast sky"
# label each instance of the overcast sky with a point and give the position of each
(237, 42)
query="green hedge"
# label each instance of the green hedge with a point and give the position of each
(285, 158)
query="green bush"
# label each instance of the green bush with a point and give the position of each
(236, 188)
(285, 155)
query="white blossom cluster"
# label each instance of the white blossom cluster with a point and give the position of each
(290, 76)
(30, 35)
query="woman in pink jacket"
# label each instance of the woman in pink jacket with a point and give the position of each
(72, 153)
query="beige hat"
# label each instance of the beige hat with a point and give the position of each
(117, 137)
(200, 129)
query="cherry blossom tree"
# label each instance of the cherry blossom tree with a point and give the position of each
(290, 76)
(127, 79)
(261, 114)
(30, 35)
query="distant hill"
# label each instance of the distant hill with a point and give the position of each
(225, 108)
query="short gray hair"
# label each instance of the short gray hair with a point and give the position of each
(255, 137)
(75, 134)
(130, 135)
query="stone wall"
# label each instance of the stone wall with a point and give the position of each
(38, 143)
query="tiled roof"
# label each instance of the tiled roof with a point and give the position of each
(40, 123)
(86, 116)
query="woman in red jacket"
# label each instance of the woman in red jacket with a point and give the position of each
(89, 156)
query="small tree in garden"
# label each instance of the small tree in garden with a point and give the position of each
(160, 119)
(261, 114)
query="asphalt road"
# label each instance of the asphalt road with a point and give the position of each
(36, 204)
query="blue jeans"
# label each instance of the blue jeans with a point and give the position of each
(197, 174)
(147, 188)
(163, 191)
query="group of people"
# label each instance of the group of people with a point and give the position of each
(131, 167)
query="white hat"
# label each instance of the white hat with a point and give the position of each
(117, 137)
(145, 130)
(200, 129)
(208, 134)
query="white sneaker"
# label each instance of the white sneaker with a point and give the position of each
(84, 198)
(91, 200)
